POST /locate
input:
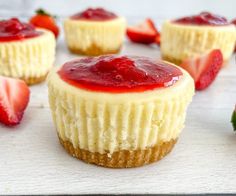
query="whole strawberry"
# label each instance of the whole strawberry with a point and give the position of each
(44, 20)
(233, 119)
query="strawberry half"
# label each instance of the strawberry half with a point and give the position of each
(44, 20)
(144, 33)
(204, 69)
(14, 98)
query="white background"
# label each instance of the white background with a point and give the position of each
(132, 9)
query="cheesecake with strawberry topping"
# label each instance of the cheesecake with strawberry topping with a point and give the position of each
(25, 52)
(94, 31)
(197, 35)
(119, 111)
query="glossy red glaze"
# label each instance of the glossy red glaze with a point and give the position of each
(204, 18)
(96, 14)
(119, 74)
(13, 29)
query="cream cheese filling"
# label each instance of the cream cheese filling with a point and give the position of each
(180, 41)
(108, 122)
(84, 35)
(30, 57)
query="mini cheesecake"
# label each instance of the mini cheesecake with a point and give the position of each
(25, 52)
(196, 35)
(94, 32)
(119, 111)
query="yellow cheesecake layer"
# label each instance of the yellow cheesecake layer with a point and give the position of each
(28, 59)
(179, 41)
(108, 122)
(95, 37)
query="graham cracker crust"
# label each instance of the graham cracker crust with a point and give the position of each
(171, 59)
(34, 80)
(122, 158)
(94, 50)
(178, 61)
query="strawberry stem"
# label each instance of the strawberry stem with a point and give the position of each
(41, 11)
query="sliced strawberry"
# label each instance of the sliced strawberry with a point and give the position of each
(44, 20)
(204, 69)
(144, 32)
(14, 98)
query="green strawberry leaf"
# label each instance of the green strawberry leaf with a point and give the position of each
(41, 11)
(233, 119)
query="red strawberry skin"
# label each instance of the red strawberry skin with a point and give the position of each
(158, 39)
(213, 66)
(141, 38)
(14, 98)
(144, 33)
(204, 69)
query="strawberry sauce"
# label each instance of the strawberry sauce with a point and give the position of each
(119, 74)
(204, 18)
(13, 30)
(95, 14)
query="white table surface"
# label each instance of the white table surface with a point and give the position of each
(203, 161)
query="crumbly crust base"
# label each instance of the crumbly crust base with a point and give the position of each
(34, 80)
(172, 60)
(122, 158)
(178, 61)
(94, 50)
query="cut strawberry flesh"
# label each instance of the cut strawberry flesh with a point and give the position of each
(204, 69)
(214, 62)
(14, 98)
(144, 33)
